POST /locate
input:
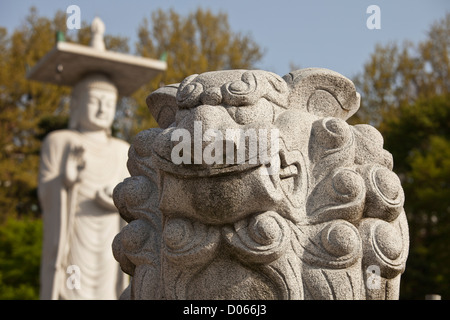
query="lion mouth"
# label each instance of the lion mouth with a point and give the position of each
(202, 170)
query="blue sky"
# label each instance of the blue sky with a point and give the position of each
(322, 33)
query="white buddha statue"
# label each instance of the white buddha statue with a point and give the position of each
(78, 171)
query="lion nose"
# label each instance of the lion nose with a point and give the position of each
(206, 129)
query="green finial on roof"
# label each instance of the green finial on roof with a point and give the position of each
(60, 36)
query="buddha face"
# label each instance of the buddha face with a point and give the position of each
(97, 109)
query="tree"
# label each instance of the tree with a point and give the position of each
(20, 252)
(400, 74)
(405, 93)
(23, 103)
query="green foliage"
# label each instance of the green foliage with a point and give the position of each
(48, 124)
(22, 104)
(398, 75)
(408, 133)
(20, 251)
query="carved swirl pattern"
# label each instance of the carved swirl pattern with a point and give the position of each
(252, 86)
(335, 244)
(385, 196)
(188, 246)
(261, 239)
(352, 180)
(264, 241)
(383, 246)
(189, 92)
(341, 240)
(190, 241)
(340, 195)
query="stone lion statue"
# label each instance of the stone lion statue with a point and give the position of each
(256, 187)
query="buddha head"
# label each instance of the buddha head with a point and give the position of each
(93, 104)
